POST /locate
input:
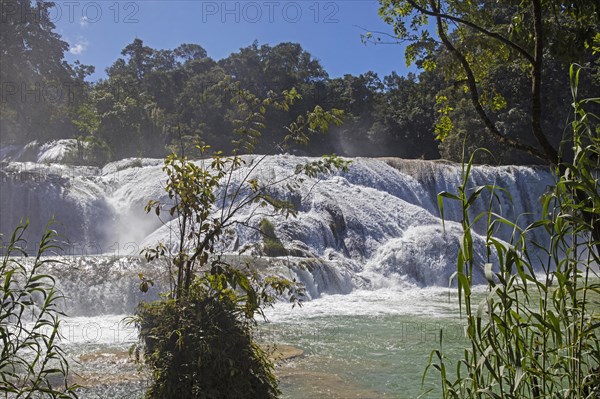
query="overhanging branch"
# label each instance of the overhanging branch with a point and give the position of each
(475, 100)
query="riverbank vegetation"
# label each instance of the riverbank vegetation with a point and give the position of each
(32, 361)
(495, 77)
(533, 335)
(536, 334)
(198, 341)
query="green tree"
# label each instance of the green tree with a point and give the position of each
(264, 68)
(479, 36)
(404, 117)
(38, 86)
(357, 96)
(190, 52)
(197, 341)
(128, 101)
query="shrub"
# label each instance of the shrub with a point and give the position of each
(198, 340)
(272, 245)
(201, 348)
(96, 151)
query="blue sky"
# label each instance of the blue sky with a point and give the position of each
(97, 31)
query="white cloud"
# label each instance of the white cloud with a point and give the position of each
(84, 22)
(79, 47)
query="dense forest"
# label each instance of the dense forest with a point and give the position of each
(519, 78)
(156, 101)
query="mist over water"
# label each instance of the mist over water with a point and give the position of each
(376, 226)
(368, 245)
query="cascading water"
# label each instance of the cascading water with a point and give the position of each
(375, 225)
(373, 232)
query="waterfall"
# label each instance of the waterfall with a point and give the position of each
(374, 226)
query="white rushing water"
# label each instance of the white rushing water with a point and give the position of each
(376, 226)
(368, 244)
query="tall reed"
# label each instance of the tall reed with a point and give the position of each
(535, 333)
(32, 362)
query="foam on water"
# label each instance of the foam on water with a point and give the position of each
(375, 227)
(406, 301)
(368, 245)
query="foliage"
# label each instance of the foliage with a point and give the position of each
(154, 102)
(272, 245)
(534, 335)
(201, 347)
(32, 363)
(95, 151)
(39, 88)
(197, 340)
(479, 39)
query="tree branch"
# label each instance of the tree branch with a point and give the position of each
(435, 12)
(475, 100)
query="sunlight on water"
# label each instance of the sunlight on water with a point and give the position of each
(366, 344)
(373, 234)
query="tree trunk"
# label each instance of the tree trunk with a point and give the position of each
(550, 152)
(475, 100)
